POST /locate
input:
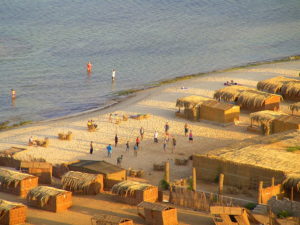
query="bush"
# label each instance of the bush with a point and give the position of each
(283, 214)
(250, 205)
(293, 148)
(164, 184)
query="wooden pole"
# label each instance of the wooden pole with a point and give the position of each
(292, 193)
(273, 181)
(260, 187)
(167, 172)
(221, 181)
(194, 187)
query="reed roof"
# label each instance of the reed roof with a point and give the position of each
(43, 193)
(254, 98)
(289, 119)
(291, 88)
(154, 206)
(129, 187)
(190, 101)
(265, 116)
(267, 152)
(5, 206)
(8, 176)
(218, 105)
(230, 93)
(274, 84)
(103, 219)
(292, 180)
(78, 181)
(295, 107)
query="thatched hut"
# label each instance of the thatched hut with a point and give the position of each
(246, 163)
(133, 193)
(190, 105)
(285, 123)
(42, 170)
(84, 183)
(49, 198)
(248, 98)
(8, 157)
(291, 186)
(16, 183)
(112, 174)
(12, 213)
(289, 88)
(263, 120)
(158, 214)
(103, 219)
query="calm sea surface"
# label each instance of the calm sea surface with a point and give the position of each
(45, 45)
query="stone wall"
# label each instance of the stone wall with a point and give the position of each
(277, 206)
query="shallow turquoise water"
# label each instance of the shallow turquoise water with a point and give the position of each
(45, 44)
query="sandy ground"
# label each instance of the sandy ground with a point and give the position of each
(160, 103)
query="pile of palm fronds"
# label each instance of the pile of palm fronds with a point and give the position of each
(295, 107)
(78, 181)
(274, 84)
(103, 219)
(230, 93)
(42, 194)
(190, 101)
(292, 180)
(125, 188)
(5, 206)
(8, 177)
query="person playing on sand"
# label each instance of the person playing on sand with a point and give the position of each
(155, 136)
(110, 118)
(113, 75)
(137, 141)
(119, 160)
(191, 136)
(116, 140)
(109, 150)
(167, 127)
(91, 148)
(127, 146)
(142, 133)
(31, 141)
(135, 150)
(165, 144)
(174, 144)
(89, 67)
(186, 129)
(13, 93)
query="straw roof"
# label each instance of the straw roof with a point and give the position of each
(253, 98)
(292, 180)
(230, 93)
(274, 84)
(78, 181)
(8, 176)
(5, 206)
(295, 107)
(218, 105)
(42, 194)
(269, 152)
(265, 116)
(291, 88)
(190, 101)
(103, 219)
(289, 119)
(153, 206)
(129, 187)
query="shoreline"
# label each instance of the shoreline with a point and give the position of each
(124, 95)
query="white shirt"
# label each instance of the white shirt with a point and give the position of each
(113, 74)
(155, 134)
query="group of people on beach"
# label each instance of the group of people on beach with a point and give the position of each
(89, 67)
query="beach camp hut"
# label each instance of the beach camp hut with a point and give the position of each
(261, 121)
(12, 213)
(7, 157)
(84, 183)
(103, 219)
(157, 214)
(248, 98)
(190, 105)
(112, 174)
(226, 215)
(15, 182)
(49, 198)
(291, 186)
(286, 122)
(42, 170)
(220, 112)
(289, 88)
(133, 193)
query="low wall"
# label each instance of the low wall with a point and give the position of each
(236, 174)
(277, 206)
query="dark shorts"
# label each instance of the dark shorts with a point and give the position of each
(186, 130)
(190, 138)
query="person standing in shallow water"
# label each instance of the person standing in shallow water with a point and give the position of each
(91, 148)
(89, 67)
(113, 75)
(13, 93)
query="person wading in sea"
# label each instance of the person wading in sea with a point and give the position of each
(89, 67)
(113, 75)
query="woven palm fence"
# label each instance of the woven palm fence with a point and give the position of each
(82, 182)
(103, 219)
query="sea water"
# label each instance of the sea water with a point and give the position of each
(45, 45)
